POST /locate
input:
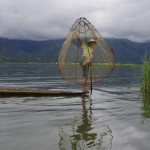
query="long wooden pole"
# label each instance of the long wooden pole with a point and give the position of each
(91, 78)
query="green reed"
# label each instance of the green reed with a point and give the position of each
(146, 104)
(145, 74)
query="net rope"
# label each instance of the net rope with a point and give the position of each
(70, 55)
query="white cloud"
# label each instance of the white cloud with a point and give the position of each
(50, 19)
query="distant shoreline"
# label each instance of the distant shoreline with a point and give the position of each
(118, 65)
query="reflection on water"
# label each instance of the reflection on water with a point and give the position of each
(82, 134)
(146, 104)
(65, 123)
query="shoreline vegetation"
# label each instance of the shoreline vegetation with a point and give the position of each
(145, 76)
(116, 65)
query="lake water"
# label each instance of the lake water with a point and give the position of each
(115, 117)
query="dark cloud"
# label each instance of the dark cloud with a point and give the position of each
(51, 19)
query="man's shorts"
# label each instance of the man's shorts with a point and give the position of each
(86, 67)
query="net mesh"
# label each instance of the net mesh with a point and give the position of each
(70, 55)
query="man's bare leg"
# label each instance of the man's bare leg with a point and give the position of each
(84, 84)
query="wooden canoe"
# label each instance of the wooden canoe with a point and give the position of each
(37, 92)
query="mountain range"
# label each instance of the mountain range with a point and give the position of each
(15, 50)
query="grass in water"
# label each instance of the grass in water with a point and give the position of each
(145, 74)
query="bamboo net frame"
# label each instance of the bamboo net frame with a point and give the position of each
(70, 55)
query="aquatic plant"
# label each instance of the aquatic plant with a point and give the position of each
(146, 105)
(145, 74)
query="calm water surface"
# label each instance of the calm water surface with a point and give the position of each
(115, 117)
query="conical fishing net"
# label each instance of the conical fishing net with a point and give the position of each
(71, 53)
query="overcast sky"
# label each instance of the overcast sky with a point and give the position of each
(52, 19)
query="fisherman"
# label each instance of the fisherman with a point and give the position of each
(86, 60)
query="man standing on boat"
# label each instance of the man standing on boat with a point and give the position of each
(86, 60)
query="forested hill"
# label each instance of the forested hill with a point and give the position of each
(47, 51)
(129, 52)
